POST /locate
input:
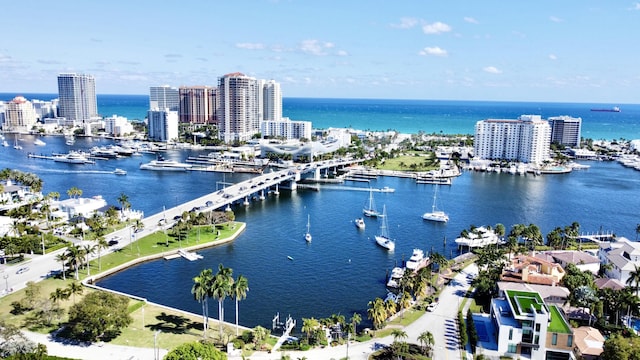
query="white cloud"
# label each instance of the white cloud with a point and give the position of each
(470, 20)
(436, 28)
(250, 46)
(636, 6)
(435, 51)
(342, 53)
(315, 47)
(5, 58)
(406, 23)
(555, 19)
(553, 57)
(492, 70)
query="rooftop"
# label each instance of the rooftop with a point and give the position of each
(522, 301)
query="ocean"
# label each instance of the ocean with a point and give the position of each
(343, 269)
(411, 116)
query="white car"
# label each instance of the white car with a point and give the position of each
(432, 306)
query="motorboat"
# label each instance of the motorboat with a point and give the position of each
(479, 237)
(417, 260)
(72, 157)
(307, 235)
(383, 238)
(119, 171)
(394, 279)
(435, 215)
(160, 164)
(39, 142)
(360, 223)
(370, 208)
(5, 143)
(103, 152)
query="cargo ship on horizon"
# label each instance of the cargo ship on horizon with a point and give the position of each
(613, 109)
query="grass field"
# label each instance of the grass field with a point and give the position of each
(416, 161)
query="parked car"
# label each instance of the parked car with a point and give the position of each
(432, 306)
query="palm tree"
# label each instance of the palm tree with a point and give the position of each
(59, 294)
(405, 301)
(200, 291)
(74, 255)
(101, 243)
(87, 250)
(239, 292)
(377, 312)
(391, 307)
(634, 278)
(309, 326)
(355, 320)
(62, 257)
(75, 288)
(222, 283)
(123, 200)
(427, 342)
(399, 334)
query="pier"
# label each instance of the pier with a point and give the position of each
(286, 326)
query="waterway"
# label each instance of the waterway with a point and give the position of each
(342, 269)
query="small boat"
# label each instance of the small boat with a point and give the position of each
(290, 258)
(160, 164)
(417, 261)
(435, 215)
(613, 109)
(118, 171)
(70, 140)
(72, 157)
(370, 209)
(383, 238)
(5, 143)
(394, 279)
(307, 236)
(39, 142)
(16, 145)
(360, 223)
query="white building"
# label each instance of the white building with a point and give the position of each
(117, 125)
(272, 101)
(20, 115)
(77, 96)
(565, 130)
(526, 326)
(162, 125)
(85, 207)
(623, 255)
(526, 139)
(164, 97)
(240, 109)
(286, 128)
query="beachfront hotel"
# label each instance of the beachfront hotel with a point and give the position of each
(565, 130)
(77, 97)
(526, 139)
(20, 115)
(527, 326)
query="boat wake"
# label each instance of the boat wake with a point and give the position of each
(56, 171)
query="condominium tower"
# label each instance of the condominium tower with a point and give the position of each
(164, 97)
(565, 130)
(240, 107)
(77, 94)
(272, 101)
(197, 105)
(526, 139)
(20, 115)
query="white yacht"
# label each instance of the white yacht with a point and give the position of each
(394, 279)
(383, 238)
(39, 142)
(360, 223)
(72, 157)
(479, 237)
(417, 261)
(119, 171)
(160, 164)
(435, 215)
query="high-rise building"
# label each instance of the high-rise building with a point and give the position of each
(197, 105)
(526, 139)
(565, 130)
(163, 125)
(20, 115)
(164, 97)
(286, 128)
(240, 111)
(272, 101)
(77, 94)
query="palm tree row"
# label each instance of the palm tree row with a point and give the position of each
(219, 286)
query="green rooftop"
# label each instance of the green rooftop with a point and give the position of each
(558, 324)
(521, 301)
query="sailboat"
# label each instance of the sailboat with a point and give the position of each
(383, 239)
(16, 145)
(435, 215)
(307, 236)
(370, 209)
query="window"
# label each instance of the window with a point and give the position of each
(570, 341)
(537, 327)
(510, 334)
(512, 348)
(554, 339)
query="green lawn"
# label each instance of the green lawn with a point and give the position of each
(557, 324)
(408, 162)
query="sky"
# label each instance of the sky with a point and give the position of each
(557, 51)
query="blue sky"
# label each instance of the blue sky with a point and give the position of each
(565, 51)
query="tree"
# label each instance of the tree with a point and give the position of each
(405, 301)
(75, 288)
(398, 339)
(62, 257)
(87, 250)
(101, 244)
(239, 291)
(355, 320)
(309, 327)
(98, 315)
(377, 312)
(426, 341)
(123, 200)
(634, 279)
(201, 290)
(74, 192)
(74, 255)
(13, 342)
(618, 347)
(59, 295)
(195, 351)
(222, 283)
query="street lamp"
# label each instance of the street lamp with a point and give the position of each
(156, 350)
(6, 281)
